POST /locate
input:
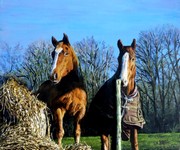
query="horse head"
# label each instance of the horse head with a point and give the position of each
(127, 64)
(64, 59)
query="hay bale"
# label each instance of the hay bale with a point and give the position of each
(24, 122)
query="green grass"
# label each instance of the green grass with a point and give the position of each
(162, 141)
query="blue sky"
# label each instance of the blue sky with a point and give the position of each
(26, 21)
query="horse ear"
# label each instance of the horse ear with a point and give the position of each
(119, 44)
(65, 39)
(133, 45)
(54, 41)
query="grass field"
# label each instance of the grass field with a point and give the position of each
(163, 141)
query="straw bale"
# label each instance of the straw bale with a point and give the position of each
(24, 122)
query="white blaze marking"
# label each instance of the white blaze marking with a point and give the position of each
(57, 52)
(124, 69)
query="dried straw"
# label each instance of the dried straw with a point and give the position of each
(23, 119)
(80, 146)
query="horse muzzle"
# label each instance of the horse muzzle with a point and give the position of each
(124, 83)
(54, 78)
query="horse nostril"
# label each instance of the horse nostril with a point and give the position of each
(55, 76)
(125, 82)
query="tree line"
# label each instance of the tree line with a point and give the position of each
(157, 76)
(158, 56)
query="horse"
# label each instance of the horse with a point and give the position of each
(64, 92)
(102, 111)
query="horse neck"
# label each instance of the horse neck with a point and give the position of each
(72, 76)
(75, 60)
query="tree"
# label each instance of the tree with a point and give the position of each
(172, 43)
(96, 60)
(158, 73)
(10, 58)
(37, 64)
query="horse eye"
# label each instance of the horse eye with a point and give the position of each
(66, 53)
(133, 59)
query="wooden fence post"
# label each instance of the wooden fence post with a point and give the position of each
(118, 113)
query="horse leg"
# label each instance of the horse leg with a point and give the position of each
(77, 131)
(105, 142)
(59, 120)
(77, 126)
(134, 139)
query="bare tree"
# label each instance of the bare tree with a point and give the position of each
(37, 63)
(157, 69)
(96, 60)
(172, 45)
(10, 58)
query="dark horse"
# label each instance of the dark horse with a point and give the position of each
(102, 111)
(64, 92)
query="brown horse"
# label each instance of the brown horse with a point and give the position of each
(102, 110)
(64, 92)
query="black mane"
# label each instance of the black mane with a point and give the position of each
(71, 81)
